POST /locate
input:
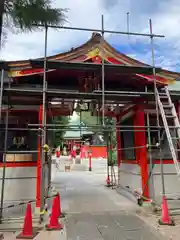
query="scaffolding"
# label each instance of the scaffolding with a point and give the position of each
(101, 96)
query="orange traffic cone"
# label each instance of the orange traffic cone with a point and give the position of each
(54, 223)
(165, 219)
(27, 232)
(59, 211)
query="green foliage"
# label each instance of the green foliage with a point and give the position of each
(26, 13)
(109, 124)
(88, 119)
(60, 132)
(109, 127)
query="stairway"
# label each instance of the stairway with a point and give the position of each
(171, 122)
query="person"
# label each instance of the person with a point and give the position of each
(58, 154)
(73, 153)
(64, 151)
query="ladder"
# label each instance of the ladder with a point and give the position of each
(168, 114)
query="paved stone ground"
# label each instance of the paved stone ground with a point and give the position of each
(96, 212)
(170, 232)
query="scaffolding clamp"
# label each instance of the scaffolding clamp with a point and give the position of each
(158, 145)
(46, 148)
(43, 213)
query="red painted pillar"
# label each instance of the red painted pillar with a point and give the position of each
(141, 150)
(38, 181)
(118, 139)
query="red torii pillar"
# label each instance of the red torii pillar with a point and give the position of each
(141, 149)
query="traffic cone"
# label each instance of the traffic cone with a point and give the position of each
(27, 232)
(59, 211)
(165, 219)
(54, 223)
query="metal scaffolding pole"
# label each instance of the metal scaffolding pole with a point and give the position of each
(21, 129)
(100, 31)
(4, 162)
(88, 96)
(43, 135)
(156, 101)
(68, 129)
(95, 126)
(100, 129)
(103, 75)
(1, 91)
(44, 91)
(151, 177)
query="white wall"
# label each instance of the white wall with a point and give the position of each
(19, 189)
(172, 184)
(130, 176)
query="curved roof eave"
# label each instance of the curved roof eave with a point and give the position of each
(94, 41)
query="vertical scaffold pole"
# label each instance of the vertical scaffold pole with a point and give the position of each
(102, 51)
(4, 160)
(1, 91)
(128, 25)
(43, 135)
(151, 179)
(157, 108)
(108, 156)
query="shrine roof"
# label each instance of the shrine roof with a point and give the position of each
(94, 50)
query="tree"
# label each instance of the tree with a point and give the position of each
(26, 14)
(59, 134)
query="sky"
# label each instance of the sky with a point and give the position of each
(87, 14)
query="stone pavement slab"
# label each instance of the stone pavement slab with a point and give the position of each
(43, 235)
(108, 226)
(94, 212)
(98, 213)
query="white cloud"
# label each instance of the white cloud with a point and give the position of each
(87, 14)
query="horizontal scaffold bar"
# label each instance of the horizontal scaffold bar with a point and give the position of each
(101, 31)
(18, 178)
(96, 126)
(97, 93)
(101, 130)
(78, 129)
(19, 151)
(76, 94)
(20, 129)
(120, 96)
